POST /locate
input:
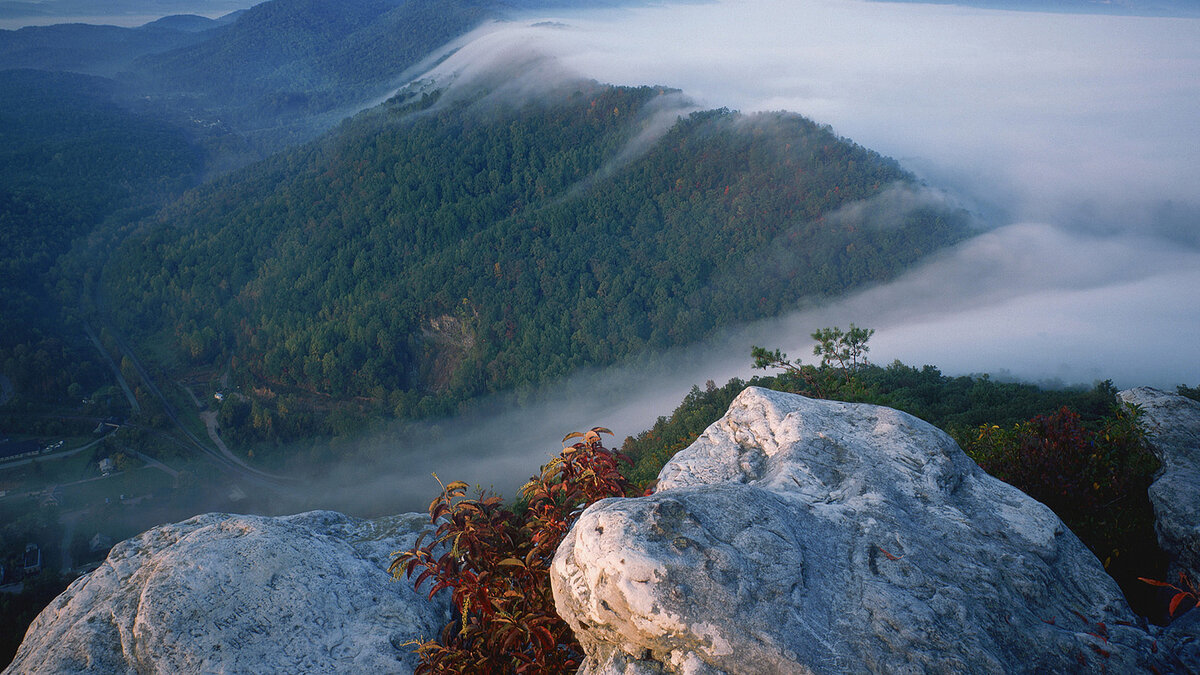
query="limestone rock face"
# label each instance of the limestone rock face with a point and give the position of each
(799, 535)
(1174, 423)
(220, 593)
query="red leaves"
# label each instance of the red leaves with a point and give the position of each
(1094, 478)
(1185, 591)
(1179, 597)
(496, 564)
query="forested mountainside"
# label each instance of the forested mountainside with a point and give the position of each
(429, 252)
(69, 156)
(99, 121)
(276, 73)
(285, 60)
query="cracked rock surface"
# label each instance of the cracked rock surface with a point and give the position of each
(220, 593)
(798, 535)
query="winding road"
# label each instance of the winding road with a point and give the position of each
(220, 455)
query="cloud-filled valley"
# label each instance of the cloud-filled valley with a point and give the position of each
(1075, 136)
(1072, 137)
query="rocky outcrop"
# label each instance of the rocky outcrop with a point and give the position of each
(220, 593)
(811, 536)
(1174, 425)
(794, 536)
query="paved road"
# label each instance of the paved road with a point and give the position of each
(226, 460)
(153, 463)
(41, 458)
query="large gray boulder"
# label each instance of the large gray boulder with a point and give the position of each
(1174, 425)
(220, 593)
(812, 536)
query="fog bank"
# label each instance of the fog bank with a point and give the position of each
(1026, 301)
(1075, 137)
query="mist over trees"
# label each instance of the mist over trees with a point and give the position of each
(171, 182)
(101, 124)
(70, 156)
(425, 254)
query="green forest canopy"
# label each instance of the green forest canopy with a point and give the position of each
(428, 252)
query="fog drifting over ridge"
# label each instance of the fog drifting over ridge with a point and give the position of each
(1075, 136)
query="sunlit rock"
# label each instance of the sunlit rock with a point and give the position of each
(799, 535)
(220, 593)
(1174, 425)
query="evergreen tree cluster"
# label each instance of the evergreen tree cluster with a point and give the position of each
(433, 250)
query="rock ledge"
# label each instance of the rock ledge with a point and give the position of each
(798, 535)
(220, 593)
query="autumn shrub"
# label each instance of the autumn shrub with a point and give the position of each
(495, 562)
(1184, 597)
(1094, 477)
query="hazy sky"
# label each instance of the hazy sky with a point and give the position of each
(15, 14)
(1076, 137)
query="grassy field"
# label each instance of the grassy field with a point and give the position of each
(132, 484)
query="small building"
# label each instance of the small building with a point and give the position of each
(33, 559)
(219, 396)
(107, 466)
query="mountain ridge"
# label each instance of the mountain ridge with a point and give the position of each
(408, 219)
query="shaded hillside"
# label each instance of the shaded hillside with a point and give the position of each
(275, 73)
(70, 156)
(420, 258)
(284, 61)
(91, 49)
(278, 73)
(112, 8)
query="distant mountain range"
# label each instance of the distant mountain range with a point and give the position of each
(15, 9)
(275, 73)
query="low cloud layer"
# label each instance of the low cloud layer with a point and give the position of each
(1074, 137)
(1026, 301)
